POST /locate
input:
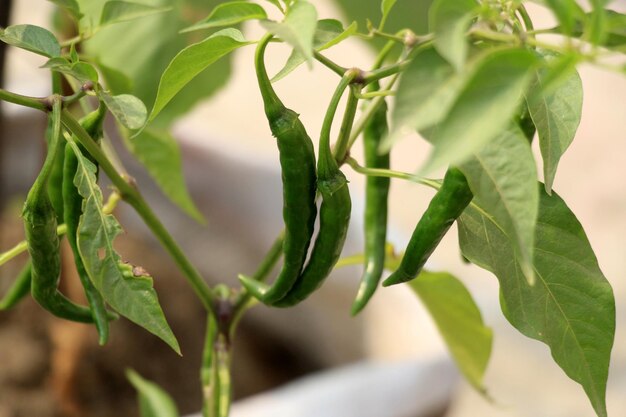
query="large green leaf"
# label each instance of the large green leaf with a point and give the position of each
(193, 60)
(503, 179)
(159, 153)
(126, 288)
(571, 306)
(143, 62)
(228, 14)
(153, 400)
(459, 320)
(71, 6)
(329, 32)
(426, 92)
(449, 21)
(297, 29)
(124, 11)
(31, 38)
(484, 108)
(556, 113)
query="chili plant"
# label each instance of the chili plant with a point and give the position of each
(480, 86)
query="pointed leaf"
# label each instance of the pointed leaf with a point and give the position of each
(571, 306)
(81, 71)
(228, 14)
(329, 32)
(298, 28)
(556, 113)
(503, 179)
(427, 91)
(127, 109)
(191, 61)
(123, 11)
(459, 321)
(159, 153)
(125, 288)
(153, 400)
(484, 108)
(449, 21)
(385, 8)
(32, 38)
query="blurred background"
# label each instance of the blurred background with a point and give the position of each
(53, 368)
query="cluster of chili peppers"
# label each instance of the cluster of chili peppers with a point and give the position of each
(302, 183)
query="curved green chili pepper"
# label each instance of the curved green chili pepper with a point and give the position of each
(41, 236)
(334, 211)
(73, 209)
(18, 290)
(297, 161)
(376, 196)
(445, 207)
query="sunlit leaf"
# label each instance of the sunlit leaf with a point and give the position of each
(449, 21)
(123, 11)
(228, 14)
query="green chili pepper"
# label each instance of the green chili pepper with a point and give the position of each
(18, 290)
(42, 240)
(297, 161)
(527, 125)
(55, 188)
(73, 204)
(334, 211)
(376, 195)
(445, 207)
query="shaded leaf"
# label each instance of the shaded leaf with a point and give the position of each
(32, 38)
(484, 108)
(570, 308)
(123, 11)
(191, 61)
(116, 81)
(556, 113)
(449, 21)
(329, 32)
(503, 179)
(71, 6)
(127, 109)
(459, 321)
(125, 288)
(426, 93)
(81, 71)
(153, 400)
(159, 153)
(231, 13)
(297, 29)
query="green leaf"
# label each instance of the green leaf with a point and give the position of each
(32, 38)
(385, 8)
(193, 60)
(567, 12)
(556, 113)
(159, 153)
(426, 92)
(298, 28)
(570, 308)
(127, 109)
(153, 400)
(484, 108)
(124, 11)
(459, 321)
(329, 32)
(81, 71)
(449, 21)
(613, 31)
(116, 81)
(503, 179)
(126, 288)
(597, 25)
(228, 14)
(71, 6)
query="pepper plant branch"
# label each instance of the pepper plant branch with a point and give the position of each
(377, 172)
(132, 196)
(38, 103)
(333, 66)
(342, 144)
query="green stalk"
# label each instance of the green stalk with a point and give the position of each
(132, 196)
(26, 101)
(343, 141)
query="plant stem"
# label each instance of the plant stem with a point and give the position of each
(26, 101)
(333, 66)
(132, 196)
(377, 172)
(343, 141)
(21, 247)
